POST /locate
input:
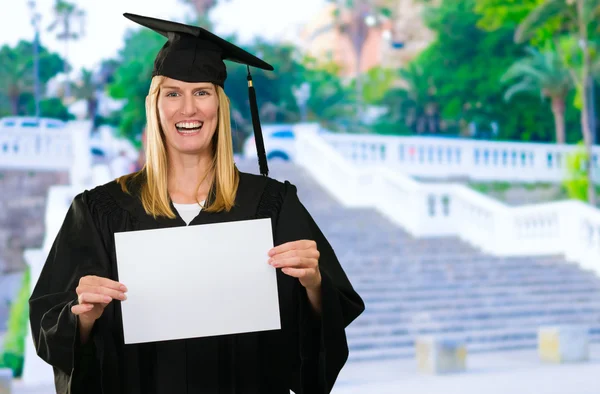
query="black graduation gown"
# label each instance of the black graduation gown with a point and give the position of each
(305, 355)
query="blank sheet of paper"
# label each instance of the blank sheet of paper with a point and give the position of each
(197, 281)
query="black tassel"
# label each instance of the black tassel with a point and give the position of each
(258, 137)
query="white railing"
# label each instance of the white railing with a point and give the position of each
(36, 149)
(448, 157)
(570, 228)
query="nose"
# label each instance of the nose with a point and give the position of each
(188, 106)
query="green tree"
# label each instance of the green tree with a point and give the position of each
(328, 102)
(70, 20)
(412, 108)
(331, 102)
(579, 22)
(577, 181)
(86, 89)
(273, 88)
(464, 66)
(14, 342)
(378, 81)
(16, 73)
(131, 79)
(545, 74)
(500, 14)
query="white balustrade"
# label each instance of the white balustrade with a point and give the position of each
(438, 157)
(32, 149)
(570, 228)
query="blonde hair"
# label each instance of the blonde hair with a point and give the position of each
(154, 191)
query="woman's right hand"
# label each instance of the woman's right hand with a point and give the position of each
(94, 294)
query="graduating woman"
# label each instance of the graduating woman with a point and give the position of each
(190, 179)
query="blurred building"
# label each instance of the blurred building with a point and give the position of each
(389, 42)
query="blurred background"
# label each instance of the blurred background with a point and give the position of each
(447, 148)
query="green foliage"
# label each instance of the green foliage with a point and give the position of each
(14, 342)
(17, 77)
(131, 79)
(577, 179)
(376, 83)
(331, 101)
(464, 66)
(51, 107)
(541, 72)
(327, 103)
(412, 108)
(496, 14)
(544, 21)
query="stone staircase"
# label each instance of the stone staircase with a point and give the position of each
(442, 286)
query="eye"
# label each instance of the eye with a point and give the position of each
(172, 94)
(202, 92)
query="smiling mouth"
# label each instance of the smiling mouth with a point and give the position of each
(188, 127)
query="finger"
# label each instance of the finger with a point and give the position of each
(93, 280)
(295, 262)
(79, 309)
(298, 272)
(92, 298)
(306, 253)
(302, 244)
(114, 294)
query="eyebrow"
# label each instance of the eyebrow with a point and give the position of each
(178, 88)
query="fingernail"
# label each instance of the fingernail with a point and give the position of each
(123, 296)
(107, 299)
(123, 288)
(271, 252)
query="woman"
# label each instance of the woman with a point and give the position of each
(190, 179)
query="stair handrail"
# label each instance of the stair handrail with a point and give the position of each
(570, 228)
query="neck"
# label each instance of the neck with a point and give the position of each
(189, 177)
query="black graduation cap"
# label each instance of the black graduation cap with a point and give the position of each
(193, 54)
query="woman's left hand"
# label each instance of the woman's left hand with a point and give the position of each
(299, 259)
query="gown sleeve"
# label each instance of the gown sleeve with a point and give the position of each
(78, 250)
(323, 343)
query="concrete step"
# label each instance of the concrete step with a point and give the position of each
(524, 286)
(475, 338)
(449, 278)
(485, 311)
(400, 259)
(408, 351)
(469, 303)
(424, 320)
(427, 327)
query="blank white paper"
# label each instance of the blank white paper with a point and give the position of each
(197, 281)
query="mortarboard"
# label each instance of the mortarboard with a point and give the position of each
(193, 54)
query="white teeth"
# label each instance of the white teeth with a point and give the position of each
(189, 125)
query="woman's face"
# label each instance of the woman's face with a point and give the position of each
(188, 115)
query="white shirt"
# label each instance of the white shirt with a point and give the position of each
(188, 211)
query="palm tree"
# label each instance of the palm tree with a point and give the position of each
(66, 15)
(579, 17)
(355, 19)
(16, 76)
(419, 109)
(546, 74)
(86, 89)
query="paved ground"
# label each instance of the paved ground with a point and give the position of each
(517, 372)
